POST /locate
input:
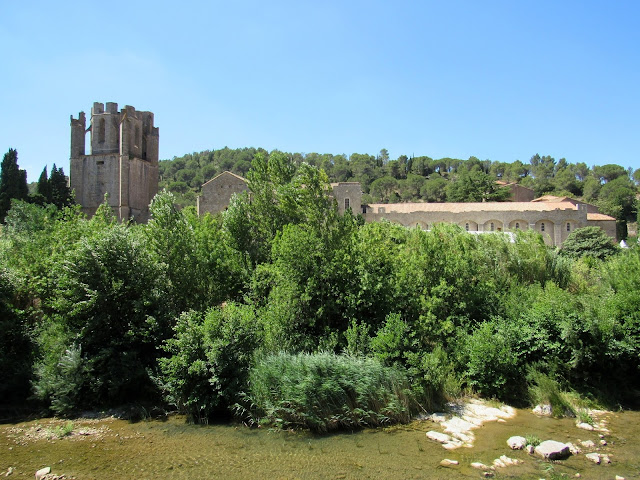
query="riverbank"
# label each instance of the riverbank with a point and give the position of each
(111, 448)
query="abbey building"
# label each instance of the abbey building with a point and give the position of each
(123, 162)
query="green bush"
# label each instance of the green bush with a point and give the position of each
(209, 360)
(326, 392)
(16, 349)
(493, 367)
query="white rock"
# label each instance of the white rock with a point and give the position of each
(446, 462)
(588, 444)
(573, 449)
(585, 426)
(438, 437)
(618, 477)
(603, 443)
(456, 424)
(594, 457)
(438, 417)
(544, 410)
(464, 437)
(509, 461)
(499, 463)
(530, 449)
(517, 443)
(552, 450)
(42, 472)
(479, 466)
(605, 459)
(452, 444)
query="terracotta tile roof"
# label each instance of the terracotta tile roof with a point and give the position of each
(598, 217)
(472, 207)
(552, 198)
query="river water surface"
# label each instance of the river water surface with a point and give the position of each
(116, 449)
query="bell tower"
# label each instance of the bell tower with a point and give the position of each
(123, 161)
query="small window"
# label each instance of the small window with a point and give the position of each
(542, 227)
(517, 225)
(568, 227)
(100, 162)
(466, 227)
(347, 204)
(493, 227)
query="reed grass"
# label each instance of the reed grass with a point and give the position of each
(324, 392)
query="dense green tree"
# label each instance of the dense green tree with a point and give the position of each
(13, 182)
(43, 188)
(60, 192)
(475, 186)
(588, 241)
(16, 349)
(109, 309)
(434, 189)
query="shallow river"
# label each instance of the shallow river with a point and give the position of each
(117, 449)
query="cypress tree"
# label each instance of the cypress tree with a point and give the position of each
(43, 186)
(60, 193)
(13, 182)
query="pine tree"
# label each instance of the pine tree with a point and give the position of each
(13, 182)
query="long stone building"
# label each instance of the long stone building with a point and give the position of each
(554, 217)
(123, 162)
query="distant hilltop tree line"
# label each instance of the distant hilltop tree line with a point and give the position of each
(423, 179)
(50, 189)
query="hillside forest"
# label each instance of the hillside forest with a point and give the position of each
(423, 179)
(282, 311)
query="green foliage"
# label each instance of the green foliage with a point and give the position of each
(209, 360)
(326, 392)
(16, 349)
(109, 300)
(545, 390)
(202, 270)
(588, 241)
(476, 186)
(65, 384)
(492, 365)
(532, 440)
(13, 182)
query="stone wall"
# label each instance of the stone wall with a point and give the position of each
(348, 195)
(123, 162)
(554, 221)
(217, 192)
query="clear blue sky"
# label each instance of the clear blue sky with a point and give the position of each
(500, 80)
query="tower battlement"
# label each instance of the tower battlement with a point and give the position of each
(123, 161)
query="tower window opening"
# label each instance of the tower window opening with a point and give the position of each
(542, 227)
(466, 227)
(101, 130)
(517, 226)
(347, 204)
(493, 226)
(568, 227)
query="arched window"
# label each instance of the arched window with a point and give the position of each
(493, 227)
(466, 227)
(568, 227)
(542, 227)
(517, 225)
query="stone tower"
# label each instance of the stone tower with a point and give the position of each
(123, 162)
